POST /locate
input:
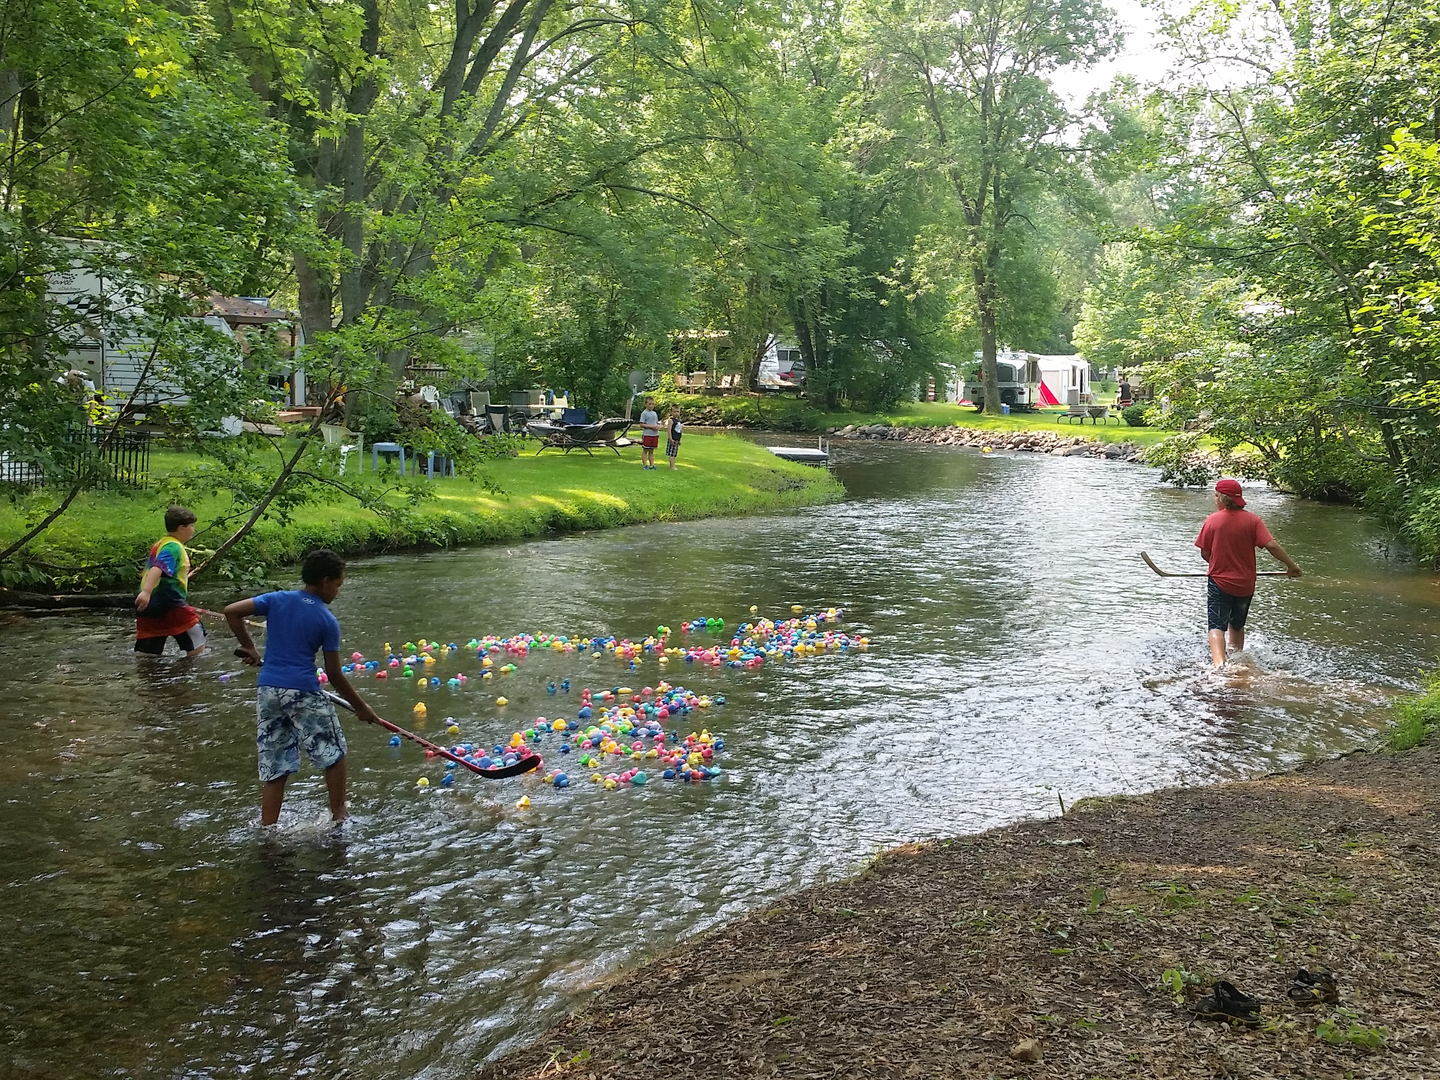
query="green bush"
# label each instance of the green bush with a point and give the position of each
(1136, 415)
(1416, 718)
(1181, 461)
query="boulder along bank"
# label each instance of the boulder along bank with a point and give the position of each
(1033, 441)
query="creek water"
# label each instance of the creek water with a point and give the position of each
(1022, 654)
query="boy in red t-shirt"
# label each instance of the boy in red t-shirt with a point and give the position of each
(1227, 541)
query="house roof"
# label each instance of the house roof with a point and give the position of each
(248, 311)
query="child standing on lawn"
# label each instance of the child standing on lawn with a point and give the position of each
(290, 708)
(162, 607)
(672, 439)
(650, 434)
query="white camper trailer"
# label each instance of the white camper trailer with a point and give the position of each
(1018, 377)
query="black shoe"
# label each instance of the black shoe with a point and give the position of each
(1313, 988)
(1227, 1003)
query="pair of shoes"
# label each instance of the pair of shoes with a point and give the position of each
(1313, 988)
(1227, 1003)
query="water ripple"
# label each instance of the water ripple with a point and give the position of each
(1024, 656)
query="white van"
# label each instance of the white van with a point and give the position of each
(781, 368)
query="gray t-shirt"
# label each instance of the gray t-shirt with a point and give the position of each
(650, 420)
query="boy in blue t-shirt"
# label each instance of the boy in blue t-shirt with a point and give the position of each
(290, 708)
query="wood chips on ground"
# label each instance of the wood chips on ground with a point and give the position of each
(939, 960)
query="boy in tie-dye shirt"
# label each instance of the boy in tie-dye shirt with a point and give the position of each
(162, 606)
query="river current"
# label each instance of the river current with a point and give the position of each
(1023, 654)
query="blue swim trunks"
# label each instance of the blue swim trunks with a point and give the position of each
(287, 718)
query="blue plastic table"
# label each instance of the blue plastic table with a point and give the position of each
(376, 449)
(447, 465)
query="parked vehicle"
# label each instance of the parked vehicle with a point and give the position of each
(1016, 379)
(781, 368)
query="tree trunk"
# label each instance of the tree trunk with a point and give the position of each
(353, 296)
(317, 299)
(985, 310)
(757, 358)
(10, 598)
(811, 348)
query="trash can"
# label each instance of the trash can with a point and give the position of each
(1004, 408)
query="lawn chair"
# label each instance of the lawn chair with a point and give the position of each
(574, 416)
(606, 434)
(335, 435)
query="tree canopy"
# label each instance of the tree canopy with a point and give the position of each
(525, 192)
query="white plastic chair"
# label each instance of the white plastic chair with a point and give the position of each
(346, 440)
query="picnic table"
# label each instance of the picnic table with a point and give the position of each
(1094, 413)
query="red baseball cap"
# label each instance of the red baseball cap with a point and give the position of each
(1231, 488)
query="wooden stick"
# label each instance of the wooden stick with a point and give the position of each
(259, 624)
(1171, 573)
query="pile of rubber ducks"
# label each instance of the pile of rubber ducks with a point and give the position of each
(613, 725)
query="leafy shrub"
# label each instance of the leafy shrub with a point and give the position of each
(1182, 462)
(1135, 415)
(1416, 718)
(1415, 510)
(379, 423)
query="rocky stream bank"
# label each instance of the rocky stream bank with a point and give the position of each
(1034, 441)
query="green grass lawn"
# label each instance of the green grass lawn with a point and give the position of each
(102, 538)
(787, 412)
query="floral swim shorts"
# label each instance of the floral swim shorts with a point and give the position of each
(287, 718)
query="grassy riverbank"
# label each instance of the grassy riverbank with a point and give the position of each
(718, 476)
(1090, 934)
(786, 412)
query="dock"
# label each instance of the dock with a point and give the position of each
(806, 455)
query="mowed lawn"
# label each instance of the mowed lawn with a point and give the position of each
(102, 538)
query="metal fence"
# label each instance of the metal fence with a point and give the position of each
(119, 460)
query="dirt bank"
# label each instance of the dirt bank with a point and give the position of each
(939, 960)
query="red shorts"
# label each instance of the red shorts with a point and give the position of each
(650, 442)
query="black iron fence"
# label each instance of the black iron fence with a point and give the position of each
(95, 456)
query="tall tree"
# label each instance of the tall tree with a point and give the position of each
(972, 79)
(125, 155)
(1304, 184)
(437, 138)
